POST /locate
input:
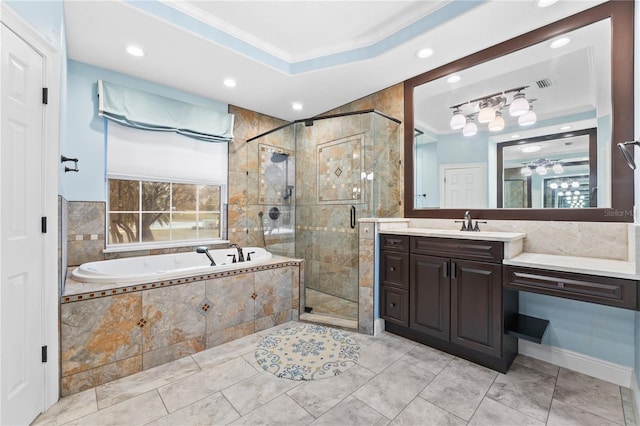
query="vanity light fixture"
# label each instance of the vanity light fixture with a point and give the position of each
(497, 124)
(541, 170)
(487, 113)
(519, 106)
(135, 51)
(542, 166)
(557, 168)
(529, 118)
(458, 120)
(526, 171)
(229, 82)
(424, 53)
(559, 42)
(470, 129)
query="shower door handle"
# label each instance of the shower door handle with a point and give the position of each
(353, 217)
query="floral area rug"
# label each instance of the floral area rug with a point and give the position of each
(307, 352)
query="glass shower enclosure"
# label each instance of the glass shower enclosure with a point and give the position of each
(317, 178)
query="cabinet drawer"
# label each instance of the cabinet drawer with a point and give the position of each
(394, 242)
(589, 288)
(394, 305)
(486, 251)
(394, 269)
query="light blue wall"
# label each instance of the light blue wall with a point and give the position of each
(85, 129)
(47, 17)
(595, 330)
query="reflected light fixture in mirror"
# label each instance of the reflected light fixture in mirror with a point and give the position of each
(615, 15)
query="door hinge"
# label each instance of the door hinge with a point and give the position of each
(44, 353)
(45, 95)
(43, 224)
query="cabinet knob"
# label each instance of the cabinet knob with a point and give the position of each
(392, 268)
(393, 305)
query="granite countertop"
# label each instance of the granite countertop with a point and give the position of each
(581, 265)
(463, 235)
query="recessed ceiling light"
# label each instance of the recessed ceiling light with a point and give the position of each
(545, 3)
(297, 106)
(424, 53)
(229, 82)
(559, 42)
(531, 148)
(515, 136)
(453, 79)
(135, 51)
(565, 128)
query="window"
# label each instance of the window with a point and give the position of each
(163, 187)
(146, 211)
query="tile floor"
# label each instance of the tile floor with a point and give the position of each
(396, 381)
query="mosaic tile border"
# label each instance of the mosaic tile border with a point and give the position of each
(86, 237)
(168, 283)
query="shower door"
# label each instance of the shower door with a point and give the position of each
(338, 170)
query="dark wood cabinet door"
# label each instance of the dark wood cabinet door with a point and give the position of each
(429, 301)
(394, 305)
(476, 306)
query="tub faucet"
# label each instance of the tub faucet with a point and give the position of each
(205, 250)
(240, 255)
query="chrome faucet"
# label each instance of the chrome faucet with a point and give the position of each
(240, 254)
(467, 218)
(205, 250)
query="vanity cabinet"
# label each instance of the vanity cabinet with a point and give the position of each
(455, 297)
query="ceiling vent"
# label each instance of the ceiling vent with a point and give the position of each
(544, 83)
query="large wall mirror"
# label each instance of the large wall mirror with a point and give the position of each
(530, 127)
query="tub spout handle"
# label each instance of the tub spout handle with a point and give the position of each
(205, 250)
(249, 255)
(234, 258)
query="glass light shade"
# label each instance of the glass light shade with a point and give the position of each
(557, 168)
(528, 118)
(470, 129)
(458, 120)
(519, 106)
(486, 114)
(553, 185)
(525, 171)
(576, 192)
(575, 184)
(497, 124)
(560, 194)
(541, 170)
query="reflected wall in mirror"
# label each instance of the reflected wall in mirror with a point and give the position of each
(551, 171)
(527, 89)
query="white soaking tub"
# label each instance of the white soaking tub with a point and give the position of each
(146, 269)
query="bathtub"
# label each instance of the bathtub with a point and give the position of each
(144, 269)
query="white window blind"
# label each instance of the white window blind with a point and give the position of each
(166, 156)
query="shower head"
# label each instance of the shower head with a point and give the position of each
(279, 157)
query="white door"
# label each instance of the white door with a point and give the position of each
(21, 327)
(463, 187)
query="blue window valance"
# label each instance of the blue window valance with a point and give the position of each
(142, 110)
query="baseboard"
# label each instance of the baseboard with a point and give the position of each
(614, 373)
(378, 326)
(636, 392)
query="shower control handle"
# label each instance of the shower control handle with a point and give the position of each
(234, 257)
(249, 255)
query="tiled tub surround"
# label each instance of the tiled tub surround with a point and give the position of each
(109, 332)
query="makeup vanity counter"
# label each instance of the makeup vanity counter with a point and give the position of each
(458, 290)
